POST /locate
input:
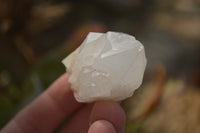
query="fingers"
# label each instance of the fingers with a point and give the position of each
(102, 126)
(46, 112)
(113, 115)
(56, 103)
(104, 117)
(79, 121)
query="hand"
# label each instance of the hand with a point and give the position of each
(57, 104)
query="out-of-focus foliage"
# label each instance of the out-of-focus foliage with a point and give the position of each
(36, 35)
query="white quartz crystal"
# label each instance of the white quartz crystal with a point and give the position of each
(107, 66)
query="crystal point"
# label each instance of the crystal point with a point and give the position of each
(107, 66)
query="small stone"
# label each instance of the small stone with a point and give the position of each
(107, 66)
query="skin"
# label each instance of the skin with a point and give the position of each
(56, 104)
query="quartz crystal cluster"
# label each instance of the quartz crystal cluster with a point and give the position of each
(107, 66)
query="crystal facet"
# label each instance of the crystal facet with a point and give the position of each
(107, 66)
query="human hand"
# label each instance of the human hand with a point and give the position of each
(57, 104)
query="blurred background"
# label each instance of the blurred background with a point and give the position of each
(36, 35)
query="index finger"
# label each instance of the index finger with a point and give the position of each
(46, 112)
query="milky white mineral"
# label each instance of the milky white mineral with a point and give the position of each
(107, 66)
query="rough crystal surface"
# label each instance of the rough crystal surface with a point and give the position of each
(107, 66)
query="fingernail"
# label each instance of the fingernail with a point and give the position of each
(102, 126)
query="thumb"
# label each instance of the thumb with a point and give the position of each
(107, 115)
